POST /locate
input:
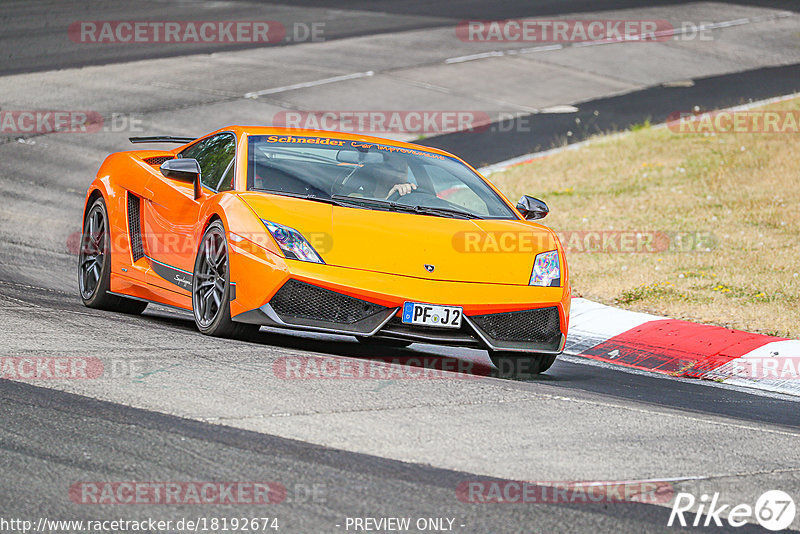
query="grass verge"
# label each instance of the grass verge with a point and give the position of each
(713, 220)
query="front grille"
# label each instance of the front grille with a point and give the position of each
(158, 160)
(135, 227)
(540, 325)
(305, 301)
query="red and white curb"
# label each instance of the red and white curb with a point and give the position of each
(683, 349)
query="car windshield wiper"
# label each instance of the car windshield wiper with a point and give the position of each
(374, 202)
(315, 198)
(444, 212)
(395, 206)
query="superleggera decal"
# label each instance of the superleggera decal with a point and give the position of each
(180, 278)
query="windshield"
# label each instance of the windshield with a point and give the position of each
(370, 176)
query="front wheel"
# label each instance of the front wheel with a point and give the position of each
(211, 304)
(520, 365)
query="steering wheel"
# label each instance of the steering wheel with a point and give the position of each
(349, 182)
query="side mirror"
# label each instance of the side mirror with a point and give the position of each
(532, 208)
(183, 170)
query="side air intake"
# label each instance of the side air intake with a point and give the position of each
(135, 226)
(156, 161)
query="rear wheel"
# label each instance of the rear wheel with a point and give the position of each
(211, 303)
(520, 365)
(94, 264)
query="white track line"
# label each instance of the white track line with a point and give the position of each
(304, 85)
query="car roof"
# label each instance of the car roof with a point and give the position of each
(268, 130)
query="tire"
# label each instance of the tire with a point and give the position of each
(383, 342)
(94, 265)
(211, 305)
(520, 365)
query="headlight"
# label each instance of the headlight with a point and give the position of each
(292, 243)
(546, 270)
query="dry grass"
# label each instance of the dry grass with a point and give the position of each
(740, 191)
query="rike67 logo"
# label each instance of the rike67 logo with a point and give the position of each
(774, 510)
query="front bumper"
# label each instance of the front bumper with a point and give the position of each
(530, 327)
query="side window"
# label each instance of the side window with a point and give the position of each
(226, 183)
(214, 155)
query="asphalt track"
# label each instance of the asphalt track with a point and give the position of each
(206, 410)
(505, 140)
(32, 33)
(324, 486)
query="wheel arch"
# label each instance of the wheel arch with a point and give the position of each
(232, 211)
(93, 194)
(213, 216)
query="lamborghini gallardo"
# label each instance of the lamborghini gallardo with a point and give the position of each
(390, 242)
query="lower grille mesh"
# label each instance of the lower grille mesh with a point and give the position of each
(135, 227)
(305, 301)
(531, 325)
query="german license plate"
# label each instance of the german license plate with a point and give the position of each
(432, 315)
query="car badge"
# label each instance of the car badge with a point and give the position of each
(429, 267)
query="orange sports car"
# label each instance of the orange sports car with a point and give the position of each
(390, 242)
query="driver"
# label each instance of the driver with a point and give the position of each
(393, 177)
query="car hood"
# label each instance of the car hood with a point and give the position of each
(436, 248)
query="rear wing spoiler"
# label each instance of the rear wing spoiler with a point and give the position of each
(162, 139)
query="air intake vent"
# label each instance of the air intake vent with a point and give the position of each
(540, 325)
(135, 227)
(157, 160)
(305, 301)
